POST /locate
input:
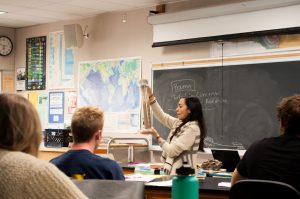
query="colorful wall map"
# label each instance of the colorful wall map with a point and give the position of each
(113, 86)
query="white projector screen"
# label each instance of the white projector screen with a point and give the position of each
(276, 20)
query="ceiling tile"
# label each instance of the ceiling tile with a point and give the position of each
(10, 8)
(48, 14)
(75, 10)
(25, 3)
(17, 21)
(101, 5)
(20, 17)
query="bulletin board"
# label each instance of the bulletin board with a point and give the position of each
(36, 63)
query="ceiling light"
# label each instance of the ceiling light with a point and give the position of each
(2, 12)
(124, 18)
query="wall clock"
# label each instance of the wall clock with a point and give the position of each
(6, 46)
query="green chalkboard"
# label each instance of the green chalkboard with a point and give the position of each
(239, 101)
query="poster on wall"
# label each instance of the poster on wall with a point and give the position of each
(33, 98)
(8, 82)
(36, 63)
(60, 71)
(43, 102)
(72, 101)
(21, 76)
(113, 86)
(56, 107)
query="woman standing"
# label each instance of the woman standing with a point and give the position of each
(187, 133)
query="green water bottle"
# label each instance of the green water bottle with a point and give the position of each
(185, 185)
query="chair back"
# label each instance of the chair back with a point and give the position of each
(111, 189)
(262, 189)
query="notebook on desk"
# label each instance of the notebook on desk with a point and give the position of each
(229, 158)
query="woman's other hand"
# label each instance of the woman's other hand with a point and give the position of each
(151, 131)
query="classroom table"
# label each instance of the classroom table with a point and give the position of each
(208, 186)
(95, 189)
(208, 189)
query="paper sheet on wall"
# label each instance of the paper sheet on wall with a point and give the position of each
(56, 107)
(60, 73)
(72, 101)
(7, 82)
(21, 76)
(43, 103)
(33, 98)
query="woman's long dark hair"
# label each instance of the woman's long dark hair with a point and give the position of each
(196, 114)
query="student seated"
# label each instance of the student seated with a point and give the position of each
(276, 158)
(80, 162)
(22, 175)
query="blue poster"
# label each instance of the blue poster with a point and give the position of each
(56, 107)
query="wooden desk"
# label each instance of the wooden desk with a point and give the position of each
(127, 169)
(208, 190)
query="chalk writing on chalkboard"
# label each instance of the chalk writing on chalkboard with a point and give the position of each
(239, 107)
